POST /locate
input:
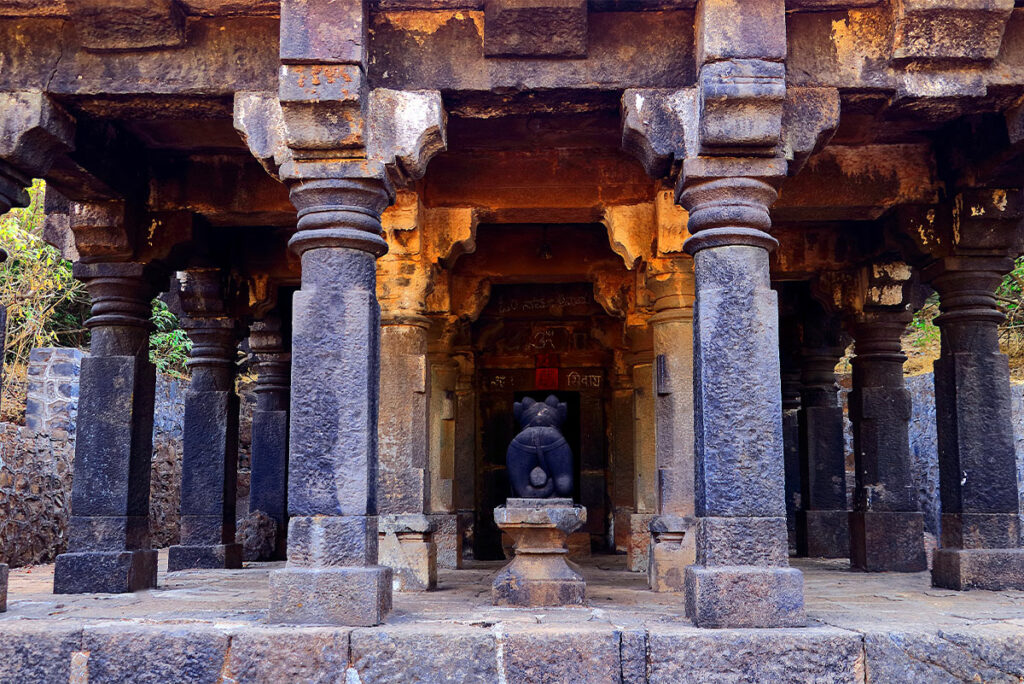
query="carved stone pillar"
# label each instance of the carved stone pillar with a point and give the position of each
(108, 537)
(645, 473)
(268, 487)
(789, 363)
(981, 520)
(464, 485)
(209, 466)
(405, 537)
(886, 527)
(741, 577)
(673, 544)
(823, 522)
(443, 375)
(332, 574)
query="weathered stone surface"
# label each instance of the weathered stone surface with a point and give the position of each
(3, 586)
(405, 545)
(133, 25)
(357, 596)
(559, 653)
(257, 533)
(303, 654)
(744, 596)
(134, 652)
(819, 654)
(988, 653)
(520, 28)
(37, 654)
(993, 569)
(455, 653)
(332, 540)
(887, 540)
(639, 545)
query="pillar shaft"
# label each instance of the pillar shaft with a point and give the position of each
(268, 487)
(673, 544)
(209, 468)
(741, 577)
(823, 525)
(981, 521)
(108, 545)
(332, 574)
(405, 538)
(790, 376)
(886, 527)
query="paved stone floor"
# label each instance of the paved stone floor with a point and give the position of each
(209, 626)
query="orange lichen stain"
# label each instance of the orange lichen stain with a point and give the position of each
(423, 23)
(300, 71)
(999, 199)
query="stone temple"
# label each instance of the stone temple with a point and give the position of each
(676, 215)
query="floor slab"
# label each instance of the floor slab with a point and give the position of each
(210, 625)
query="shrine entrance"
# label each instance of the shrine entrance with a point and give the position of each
(533, 340)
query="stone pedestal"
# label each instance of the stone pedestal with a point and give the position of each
(539, 575)
(741, 576)
(673, 548)
(108, 536)
(886, 528)
(406, 546)
(210, 452)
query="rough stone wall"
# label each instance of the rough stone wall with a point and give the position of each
(35, 494)
(165, 482)
(52, 405)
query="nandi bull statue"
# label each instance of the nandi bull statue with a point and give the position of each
(540, 514)
(539, 459)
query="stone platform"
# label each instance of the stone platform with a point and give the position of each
(209, 626)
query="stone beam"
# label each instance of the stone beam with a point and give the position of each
(128, 24)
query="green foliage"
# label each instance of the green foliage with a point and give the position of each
(169, 346)
(46, 306)
(923, 332)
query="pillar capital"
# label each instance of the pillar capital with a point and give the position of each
(729, 209)
(672, 288)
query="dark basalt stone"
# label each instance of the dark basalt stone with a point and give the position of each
(539, 459)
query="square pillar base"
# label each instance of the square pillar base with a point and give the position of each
(405, 544)
(993, 569)
(105, 572)
(745, 596)
(447, 540)
(673, 548)
(639, 548)
(349, 596)
(218, 557)
(823, 534)
(3, 587)
(884, 541)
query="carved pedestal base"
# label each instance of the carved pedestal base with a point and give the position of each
(993, 569)
(673, 547)
(405, 544)
(213, 557)
(539, 575)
